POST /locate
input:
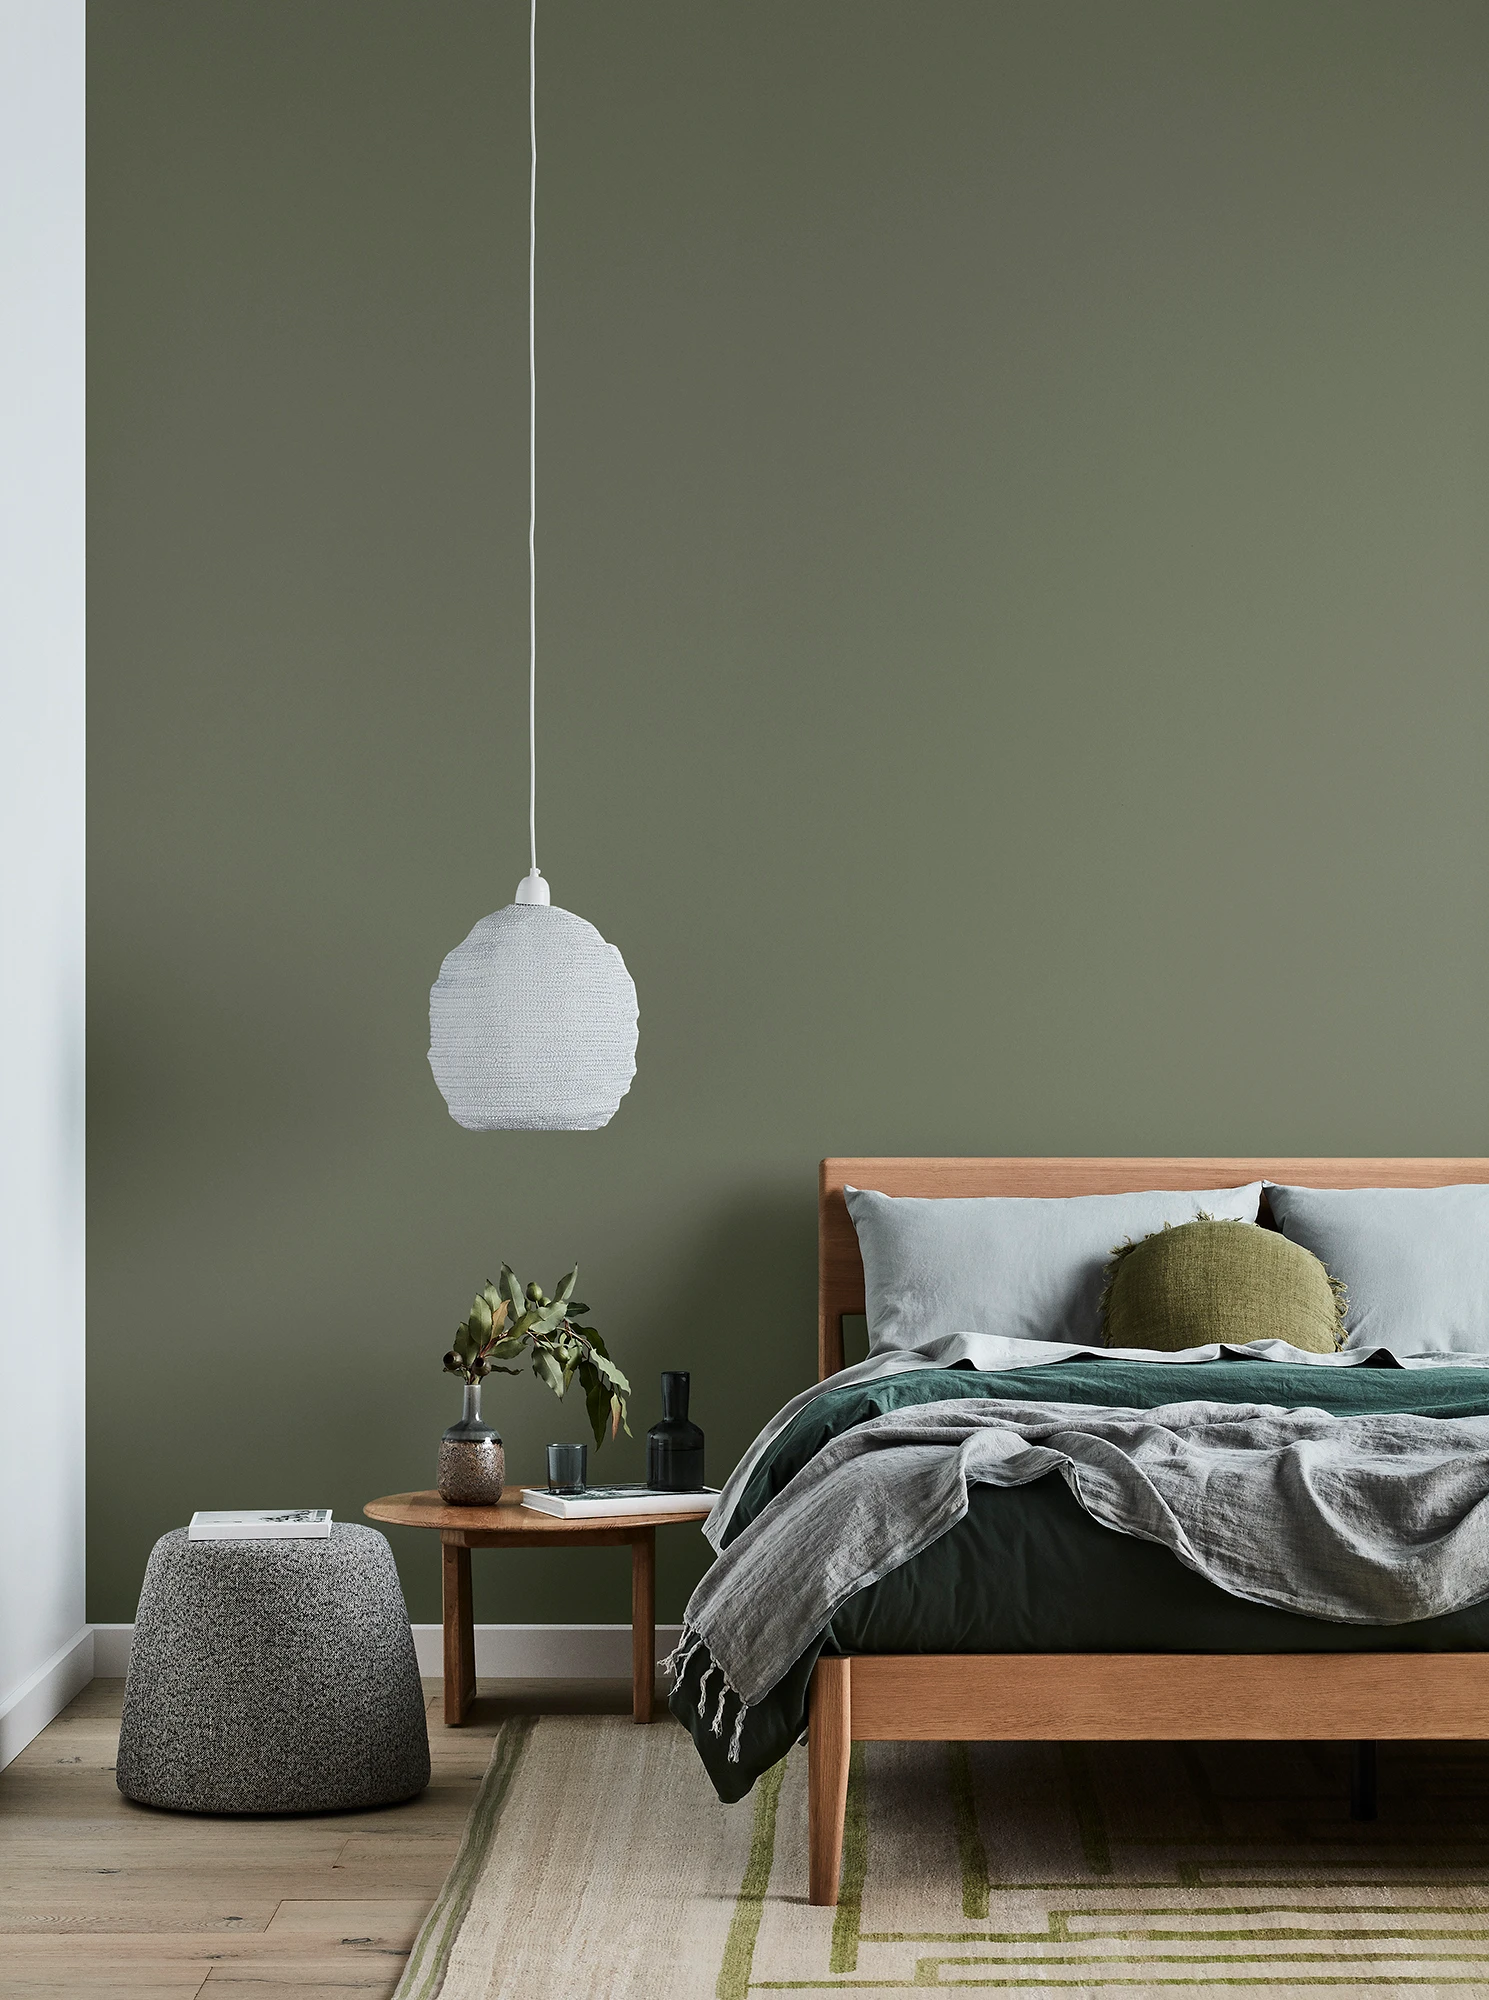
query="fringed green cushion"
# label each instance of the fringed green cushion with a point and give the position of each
(1209, 1281)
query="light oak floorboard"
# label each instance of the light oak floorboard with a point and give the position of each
(99, 1897)
(128, 1983)
(393, 1920)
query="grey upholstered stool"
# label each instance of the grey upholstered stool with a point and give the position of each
(272, 1677)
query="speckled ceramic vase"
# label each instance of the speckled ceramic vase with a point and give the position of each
(472, 1464)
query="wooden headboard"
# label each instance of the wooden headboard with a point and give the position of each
(840, 1268)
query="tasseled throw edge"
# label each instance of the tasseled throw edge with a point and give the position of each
(677, 1663)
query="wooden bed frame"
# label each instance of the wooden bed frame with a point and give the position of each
(1062, 1697)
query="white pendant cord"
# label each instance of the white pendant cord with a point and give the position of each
(532, 888)
(532, 443)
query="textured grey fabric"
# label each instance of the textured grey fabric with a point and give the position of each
(993, 1354)
(272, 1677)
(532, 1024)
(1415, 1261)
(1375, 1520)
(1022, 1267)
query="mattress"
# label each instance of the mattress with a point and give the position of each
(1028, 1570)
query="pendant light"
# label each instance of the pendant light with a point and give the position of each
(532, 1021)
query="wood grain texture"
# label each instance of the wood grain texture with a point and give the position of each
(511, 1525)
(459, 1632)
(840, 1268)
(643, 1625)
(1168, 1697)
(99, 1896)
(829, 1744)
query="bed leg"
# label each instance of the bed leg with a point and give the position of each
(829, 1741)
(1362, 1781)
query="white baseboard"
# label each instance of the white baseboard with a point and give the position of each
(111, 1644)
(44, 1694)
(503, 1652)
(545, 1652)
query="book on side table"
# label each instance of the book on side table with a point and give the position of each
(600, 1502)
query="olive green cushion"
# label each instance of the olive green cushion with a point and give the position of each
(1209, 1281)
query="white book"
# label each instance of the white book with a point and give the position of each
(596, 1502)
(262, 1524)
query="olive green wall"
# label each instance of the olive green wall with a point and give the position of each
(1013, 607)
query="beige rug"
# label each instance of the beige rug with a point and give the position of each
(599, 1863)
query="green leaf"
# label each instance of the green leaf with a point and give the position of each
(512, 1288)
(492, 1296)
(612, 1374)
(465, 1343)
(575, 1310)
(598, 1405)
(566, 1288)
(548, 1371)
(480, 1318)
(512, 1345)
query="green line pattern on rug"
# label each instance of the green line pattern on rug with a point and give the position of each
(423, 1974)
(970, 1850)
(1103, 1868)
(739, 1948)
(1347, 1906)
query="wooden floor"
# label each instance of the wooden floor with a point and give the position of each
(101, 1897)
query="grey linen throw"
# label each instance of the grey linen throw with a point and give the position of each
(1372, 1520)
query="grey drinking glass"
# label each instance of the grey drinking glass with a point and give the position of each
(567, 1465)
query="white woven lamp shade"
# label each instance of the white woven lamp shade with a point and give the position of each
(532, 1024)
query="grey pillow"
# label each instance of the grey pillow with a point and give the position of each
(1023, 1266)
(1415, 1260)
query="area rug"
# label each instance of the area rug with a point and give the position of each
(598, 1865)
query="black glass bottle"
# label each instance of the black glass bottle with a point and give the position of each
(674, 1447)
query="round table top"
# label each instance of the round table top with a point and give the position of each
(509, 1517)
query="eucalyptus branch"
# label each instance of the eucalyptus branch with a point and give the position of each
(508, 1320)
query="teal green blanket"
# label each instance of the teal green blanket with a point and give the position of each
(1029, 1571)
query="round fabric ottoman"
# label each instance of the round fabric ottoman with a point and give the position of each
(272, 1677)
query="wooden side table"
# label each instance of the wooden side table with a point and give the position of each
(510, 1525)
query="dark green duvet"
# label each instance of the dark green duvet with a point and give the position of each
(1029, 1571)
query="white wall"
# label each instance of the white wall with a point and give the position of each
(45, 1647)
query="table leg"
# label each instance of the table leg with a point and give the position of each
(643, 1624)
(460, 1635)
